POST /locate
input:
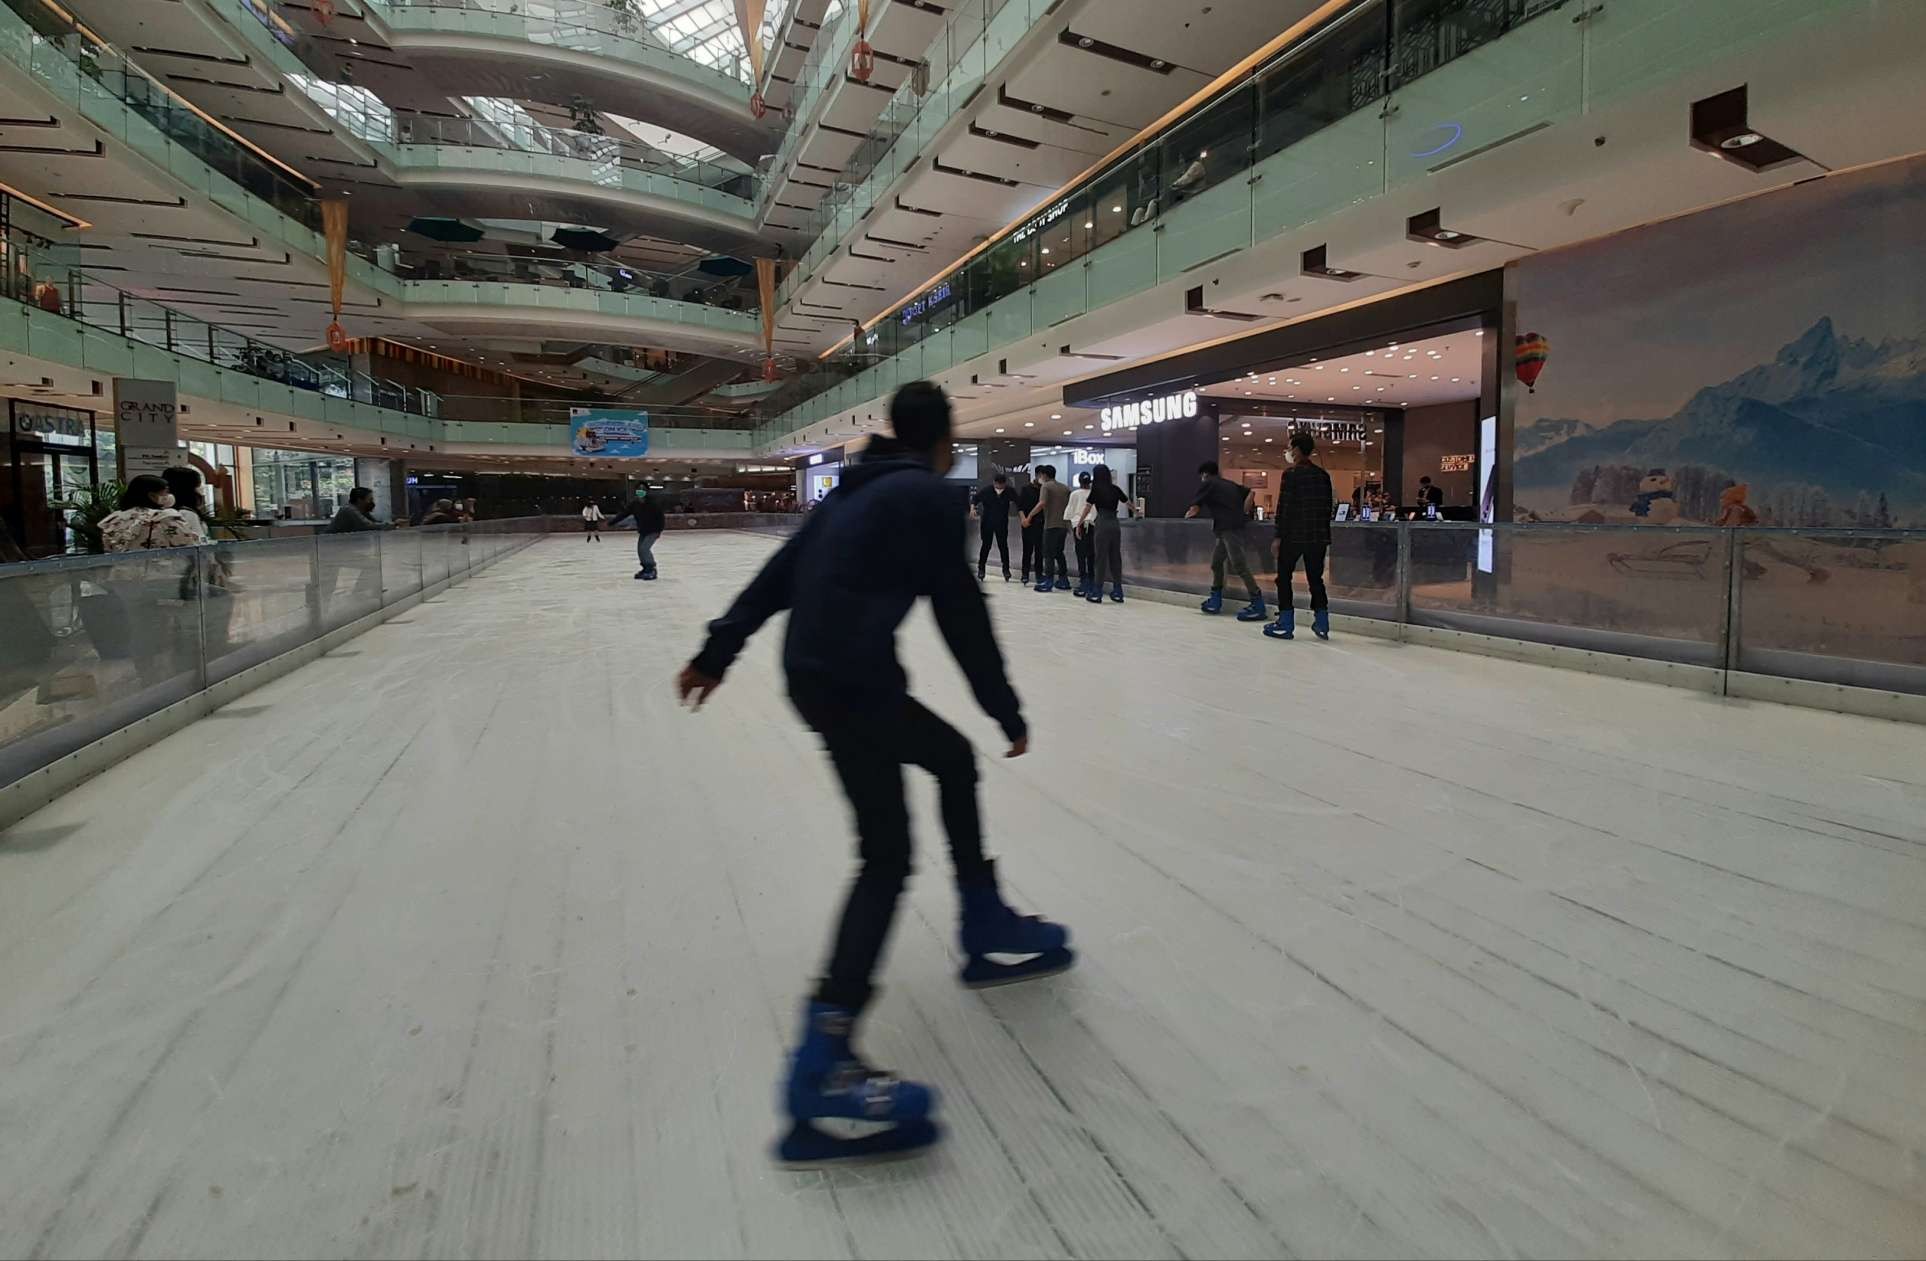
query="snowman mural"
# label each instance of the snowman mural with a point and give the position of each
(1657, 504)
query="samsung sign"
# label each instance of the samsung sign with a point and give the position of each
(1151, 411)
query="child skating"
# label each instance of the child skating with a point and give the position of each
(890, 533)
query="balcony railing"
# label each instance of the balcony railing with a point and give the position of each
(1343, 71)
(51, 46)
(602, 159)
(134, 108)
(1378, 97)
(594, 28)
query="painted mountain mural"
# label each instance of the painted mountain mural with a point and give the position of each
(1832, 431)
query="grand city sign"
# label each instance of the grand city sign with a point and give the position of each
(1150, 412)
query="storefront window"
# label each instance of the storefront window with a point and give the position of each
(300, 485)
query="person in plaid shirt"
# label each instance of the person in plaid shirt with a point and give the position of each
(1304, 510)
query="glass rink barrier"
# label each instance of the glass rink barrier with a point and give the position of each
(91, 644)
(1828, 606)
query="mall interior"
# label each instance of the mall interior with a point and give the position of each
(1554, 886)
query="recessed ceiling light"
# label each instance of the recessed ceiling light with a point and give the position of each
(1089, 426)
(1056, 415)
(1029, 424)
(1116, 210)
(1434, 378)
(1089, 223)
(1066, 433)
(1446, 234)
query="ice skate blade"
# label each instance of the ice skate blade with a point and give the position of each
(983, 974)
(807, 1146)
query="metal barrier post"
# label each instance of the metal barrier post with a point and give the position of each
(1734, 598)
(1404, 572)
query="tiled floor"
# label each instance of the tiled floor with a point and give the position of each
(464, 941)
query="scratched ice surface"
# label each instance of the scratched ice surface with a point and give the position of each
(465, 942)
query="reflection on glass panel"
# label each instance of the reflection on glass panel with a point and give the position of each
(1639, 590)
(400, 563)
(1835, 607)
(90, 647)
(348, 573)
(1339, 71)
(265, 590)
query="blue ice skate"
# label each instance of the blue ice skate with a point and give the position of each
(1215, 604)
(827, 1082)
(1321, 623)
(990, 927)
(1253, 612)
(1285, 627)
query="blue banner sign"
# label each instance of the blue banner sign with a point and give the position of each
(611, 433)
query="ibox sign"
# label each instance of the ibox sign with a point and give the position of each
(1150, 412)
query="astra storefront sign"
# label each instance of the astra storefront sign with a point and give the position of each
(1150, 412)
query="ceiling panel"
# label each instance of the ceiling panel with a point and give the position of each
(1210, 36)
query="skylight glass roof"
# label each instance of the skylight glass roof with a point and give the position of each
(703, 30)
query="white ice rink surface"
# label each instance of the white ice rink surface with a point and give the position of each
(465, 942)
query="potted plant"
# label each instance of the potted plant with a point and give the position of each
(87, 508)
(102, 612)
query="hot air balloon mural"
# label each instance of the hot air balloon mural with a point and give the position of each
(1529, 352)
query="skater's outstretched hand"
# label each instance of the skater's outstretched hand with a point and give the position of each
(694, 683)
(1019, 748)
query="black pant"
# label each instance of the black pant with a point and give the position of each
(1032, 550)
(1313, 556)
(1085, 556)
(869, 751)
(1052, 560)
(999, 532)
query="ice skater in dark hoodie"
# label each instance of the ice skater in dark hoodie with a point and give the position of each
(892, 532)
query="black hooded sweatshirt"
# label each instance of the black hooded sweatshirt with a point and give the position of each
(890, 532)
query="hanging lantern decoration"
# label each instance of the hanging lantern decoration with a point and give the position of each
(749, 19)
(334, 234)
(766, 295)
(323, 11)
(862, 58)
(1529, 352)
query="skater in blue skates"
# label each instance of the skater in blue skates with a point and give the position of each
(1305, 507)
(1229, 506)
(886, 536)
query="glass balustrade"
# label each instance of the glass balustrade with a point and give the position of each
(42, 41)
(725, 293)
(619, 32)
(599, 158)
(91, 644)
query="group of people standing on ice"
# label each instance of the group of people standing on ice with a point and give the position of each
(1049, 514)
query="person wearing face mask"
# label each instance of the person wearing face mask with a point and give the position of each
(1304, 509)
(147, 518)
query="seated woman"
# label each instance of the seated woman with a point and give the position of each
(147, 518)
